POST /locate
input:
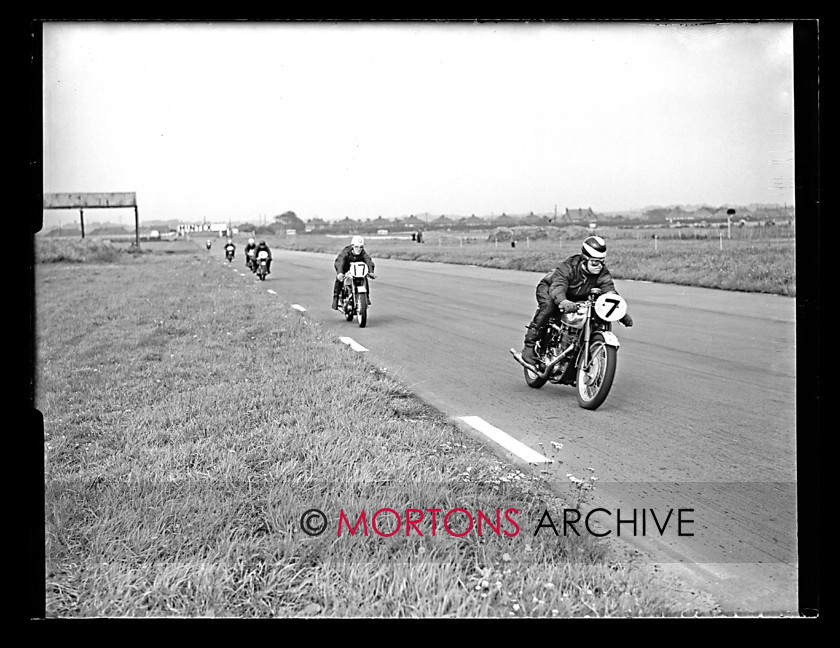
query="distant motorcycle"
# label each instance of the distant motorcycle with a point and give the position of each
(251, 260)
(229, 252)
(580, 349)
(353, 300)
(262, 265)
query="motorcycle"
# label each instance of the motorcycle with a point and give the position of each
(580, 349)
(229, 252)
(353, 300)
(251, 260)
(262, 265)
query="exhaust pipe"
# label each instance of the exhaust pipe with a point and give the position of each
(545, 373)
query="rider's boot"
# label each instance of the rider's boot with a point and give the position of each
(335, 302)
(528, 353)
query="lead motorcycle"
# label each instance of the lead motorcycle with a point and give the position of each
(353, 300)
(580, 349)
(229, 252)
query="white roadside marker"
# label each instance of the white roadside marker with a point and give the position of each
(353, 344)
(271, 291)
(298, 307)
(505, 440)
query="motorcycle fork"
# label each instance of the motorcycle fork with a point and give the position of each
(587, 332)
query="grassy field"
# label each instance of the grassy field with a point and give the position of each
(191, 418)
(745, 262)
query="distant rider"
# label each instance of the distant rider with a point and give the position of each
(262, 247)
(249, 247)
(350, 254)
(209, 244)
(559, 290)
(230, 247)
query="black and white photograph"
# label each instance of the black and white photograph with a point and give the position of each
(575, 394)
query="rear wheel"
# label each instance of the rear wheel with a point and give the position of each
(361, 310)
(594, 382)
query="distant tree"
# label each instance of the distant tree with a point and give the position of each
(290, 220)
(265, 229)
(246, 227)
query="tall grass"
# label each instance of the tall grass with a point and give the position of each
(191, 418)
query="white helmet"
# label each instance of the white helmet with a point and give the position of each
(250, 241)
(357, 241)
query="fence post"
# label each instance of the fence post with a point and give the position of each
(655, 242)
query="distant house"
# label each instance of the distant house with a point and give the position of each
(412, 222)
(473, 221)
(380, 223)
(534, 220)
(346, 225)
(504, 221)
(315, 224)
(441, 222)
(578, 215)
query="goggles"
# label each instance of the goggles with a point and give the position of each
(598, 262)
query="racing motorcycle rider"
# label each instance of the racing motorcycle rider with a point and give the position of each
(263, 247)
(570, 282)
(230, 247)
(249, 247)
(350, 254)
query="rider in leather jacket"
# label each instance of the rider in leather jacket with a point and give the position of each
(248, 247)
(559, 290)
(262, 246)
(350, 254)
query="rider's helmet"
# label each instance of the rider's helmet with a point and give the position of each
(358, 243)
(250, 241)
(262, 243)
(594, 252)
(230, 241)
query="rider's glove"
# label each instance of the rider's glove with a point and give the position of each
(567, 306)
(371, 276)
(340, 276)
(627, 320)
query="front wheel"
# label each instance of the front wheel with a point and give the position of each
(595, 381)
(361, 310)
(532, 379)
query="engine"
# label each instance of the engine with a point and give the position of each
(567, 335)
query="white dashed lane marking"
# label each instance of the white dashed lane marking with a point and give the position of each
(271, 291)
(505, 440)
(353, 344)
(298, 307)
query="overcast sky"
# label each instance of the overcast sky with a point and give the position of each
(244, 121)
